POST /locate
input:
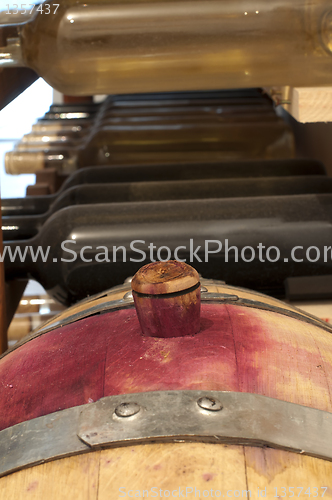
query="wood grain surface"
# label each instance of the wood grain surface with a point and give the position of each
(229, 471)
(237, 349)
(305, 104)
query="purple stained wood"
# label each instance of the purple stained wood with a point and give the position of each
(169, 315)
(237, 349)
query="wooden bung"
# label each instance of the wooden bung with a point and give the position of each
(167, 298)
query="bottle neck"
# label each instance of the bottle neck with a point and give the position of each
(65, 161)
(56, 135)
(22, 228)
(30, 161)
(29, 205)
(18, 262)
(44, 142)
(10, 46)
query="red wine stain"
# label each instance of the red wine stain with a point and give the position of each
(208, 476)
(32, 486)
(237, 349)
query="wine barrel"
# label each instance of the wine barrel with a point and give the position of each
(92, 409)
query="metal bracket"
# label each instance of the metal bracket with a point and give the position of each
(231, 417)
(168, 416)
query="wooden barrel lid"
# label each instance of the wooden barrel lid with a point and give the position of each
(159, 278)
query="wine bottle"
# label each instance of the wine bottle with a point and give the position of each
(175, 112)
(151, 144)
(247, 97)
(52, 126)
(175, 108)
(18, 228)
(165, 96)
(110, 47)
(57, 136)
(146, 113)
(128, 106)
(71, 108)
(69, 115)
(42, 141)
(124, 103)
(227, 108)
(165, 99)
(183, 106)
(89, 248)
(117, 115)
(83, 99)
(153, 104)
(47, 143)
(116, 174)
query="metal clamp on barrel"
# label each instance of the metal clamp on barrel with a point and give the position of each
(168, 416)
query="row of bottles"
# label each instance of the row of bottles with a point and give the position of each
(84, 249)
(27, 226)
(121, 175)
(155, 129)
(102, 46)
(106, 221)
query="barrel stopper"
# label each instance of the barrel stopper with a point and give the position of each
(167, 298)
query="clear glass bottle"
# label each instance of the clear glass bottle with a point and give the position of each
(157, 144)
(42, 140)
(106, 46)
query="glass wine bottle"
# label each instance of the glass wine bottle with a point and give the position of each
(136, 115)
(17, 228)
(53, 127)
(152, 144)
(103, 46)
(43, 140)
(32, 205)
(82, 246)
